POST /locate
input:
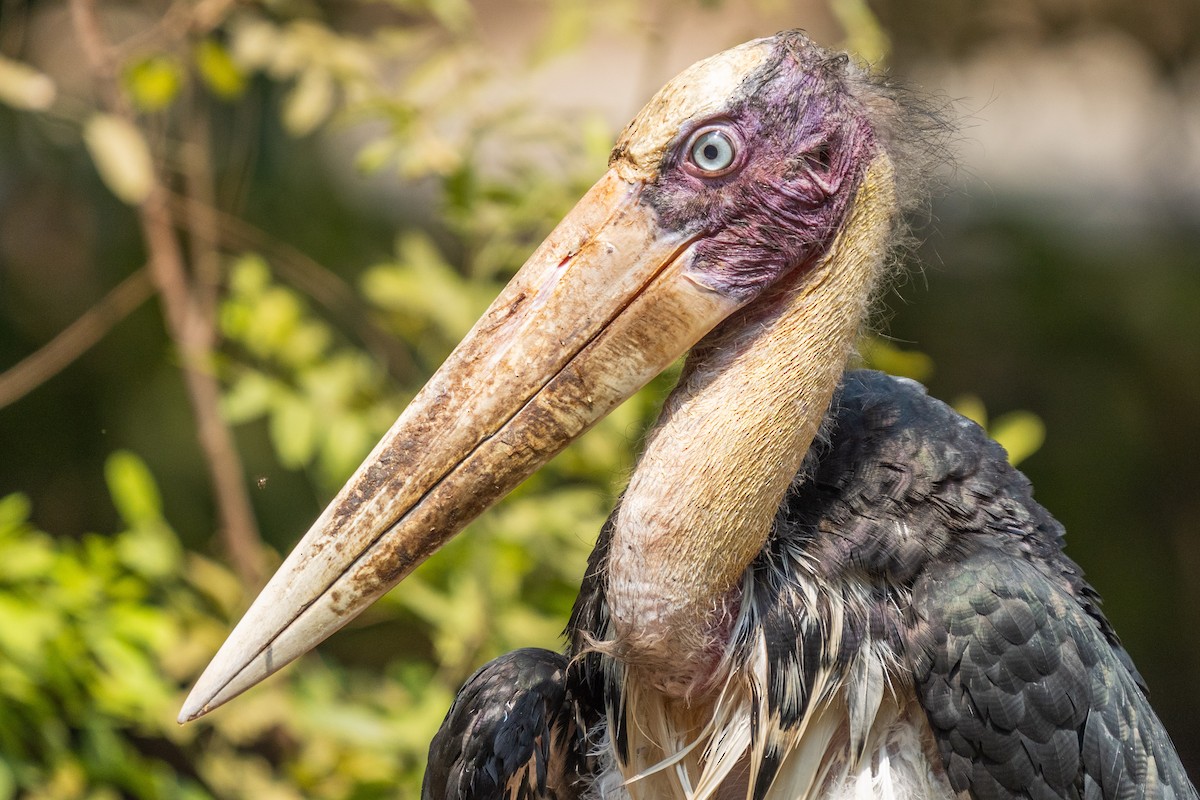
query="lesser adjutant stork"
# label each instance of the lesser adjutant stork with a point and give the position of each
(819, 583)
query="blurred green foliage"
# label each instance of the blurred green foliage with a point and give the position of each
(325, 404)
(99, 637)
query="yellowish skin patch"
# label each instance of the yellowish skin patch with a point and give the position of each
(702, 90)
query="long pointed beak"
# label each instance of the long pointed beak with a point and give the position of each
(602, 306)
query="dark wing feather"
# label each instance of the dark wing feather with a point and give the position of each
(1026, 686)
(511, 733)
(1027, 696)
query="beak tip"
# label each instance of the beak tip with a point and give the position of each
(193, 708)
(207, 694)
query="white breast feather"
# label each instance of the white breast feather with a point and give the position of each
(704, 751)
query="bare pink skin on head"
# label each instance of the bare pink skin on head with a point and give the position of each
(804, 146)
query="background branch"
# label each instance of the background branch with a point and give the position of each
(190, 328)
(74, 340)
(305, 273)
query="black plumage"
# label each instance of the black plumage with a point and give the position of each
(911, 518)
(511, 733)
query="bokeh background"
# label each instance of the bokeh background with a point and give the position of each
(236, 237)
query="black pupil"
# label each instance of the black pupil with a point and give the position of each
(711, 151)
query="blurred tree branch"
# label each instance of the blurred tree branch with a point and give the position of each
(57, 354)
(182, 18)
(188, 321)
(303, 272)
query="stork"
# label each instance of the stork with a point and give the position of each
(818, 583)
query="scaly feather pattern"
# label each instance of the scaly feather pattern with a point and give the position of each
(907, 550)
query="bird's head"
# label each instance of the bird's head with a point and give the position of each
(753, 155)
(737, 177)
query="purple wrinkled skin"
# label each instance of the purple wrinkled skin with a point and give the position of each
(807, 144)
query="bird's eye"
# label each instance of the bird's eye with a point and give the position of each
(713, 152)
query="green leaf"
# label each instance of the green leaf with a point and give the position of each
(8, 782)
(216, 581)
(27, 558)
(865, 36)
(143, 625)
(570, 24)
(422, 283)
(882, 355)
(456, 15)
(127, 683)
(971, 407)
(275, 316)
(254, 42)
(346, 442)
(26, 625)
(150, 550)
(121, 156)
(134, 492)
(154, 82)
(250, 397)
(309, 102)
(249, 275)
(218, 70)
(306, 344)
(293, 431)
(14, 513)
(375, 155)
(22, 86)
(1021, 433)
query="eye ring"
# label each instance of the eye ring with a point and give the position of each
(713, 151)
